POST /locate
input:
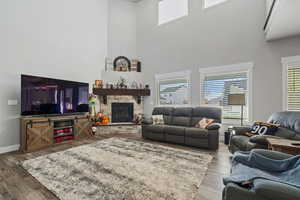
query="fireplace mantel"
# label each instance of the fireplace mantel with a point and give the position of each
(104, 92)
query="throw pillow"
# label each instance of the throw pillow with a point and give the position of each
(158, 119)
(263, 128)
(203, 123)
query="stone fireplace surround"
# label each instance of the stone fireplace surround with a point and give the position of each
(122, 127)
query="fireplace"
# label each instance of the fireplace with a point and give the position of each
(122, 112)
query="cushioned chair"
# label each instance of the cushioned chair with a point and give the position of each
(262, 189)
(179, 126)
(290, 129)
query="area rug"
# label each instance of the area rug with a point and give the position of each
(121, 169)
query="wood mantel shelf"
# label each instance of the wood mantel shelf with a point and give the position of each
(121, 92)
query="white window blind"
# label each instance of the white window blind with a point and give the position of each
(293, 88)
(217, 88)
(169, 10)
(173, 91)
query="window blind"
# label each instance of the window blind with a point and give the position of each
(217, 88)
(174, 91)
(293, 90)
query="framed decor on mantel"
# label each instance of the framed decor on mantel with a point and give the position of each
(122, 63)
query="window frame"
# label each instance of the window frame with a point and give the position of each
(175, 19)
(173, 76)
(227, 69)
(217, 4)
(287, 62)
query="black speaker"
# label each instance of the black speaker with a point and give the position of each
(226, 137)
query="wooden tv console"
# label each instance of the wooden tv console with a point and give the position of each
(38, 132)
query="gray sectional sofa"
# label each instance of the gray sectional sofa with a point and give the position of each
(290, 129)
(179, 126)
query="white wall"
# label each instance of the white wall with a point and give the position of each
(226, 34)
(55, 38)
(122, 29)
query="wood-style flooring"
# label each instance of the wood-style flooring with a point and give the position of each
(17, 184)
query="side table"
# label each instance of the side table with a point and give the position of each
(284, 146)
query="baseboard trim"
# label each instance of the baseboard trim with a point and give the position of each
(9, 148)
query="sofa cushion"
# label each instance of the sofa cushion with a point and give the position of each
(195, 121)
(181, 121)
(174, 130)
(176, 139)
(154, 128)
(285, 133)
(196, 132)
(182, 116)
(163, 111)
(166, 112)
(208, 112)
(259, 139)
(168, 119)
(197, 142)
(287, 119)
(154, 136)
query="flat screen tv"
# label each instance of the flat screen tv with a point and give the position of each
(47, 96)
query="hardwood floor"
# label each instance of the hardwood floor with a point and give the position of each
(17, 184)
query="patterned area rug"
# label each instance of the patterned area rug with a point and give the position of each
(119, 169)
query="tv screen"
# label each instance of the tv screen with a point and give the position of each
(47, 96)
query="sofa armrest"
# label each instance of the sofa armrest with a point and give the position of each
(213, 139)
(213, 126)
(259, 139)
(240, 130)
(147, 121)
(233, 191)
(275, 190)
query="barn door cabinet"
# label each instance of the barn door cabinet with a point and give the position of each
(38, 132)
(83, 128)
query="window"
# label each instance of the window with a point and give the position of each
(291, 83)
(217, 88)
(218, 83)
(173, 88)
(210, 3)
(169, 10)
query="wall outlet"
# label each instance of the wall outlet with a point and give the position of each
(12, 102)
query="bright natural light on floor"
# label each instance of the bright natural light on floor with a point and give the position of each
(169, 10)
